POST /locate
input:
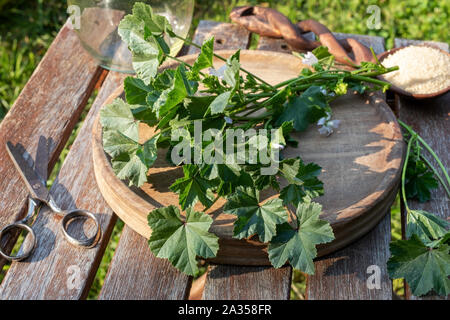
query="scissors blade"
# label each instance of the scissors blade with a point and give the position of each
(34, 183)
(42, 158)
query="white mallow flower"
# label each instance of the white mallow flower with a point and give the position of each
(326, 93)
(219, 73)
(277, 146)
(327, 125)
(310, 59)
(228, 120)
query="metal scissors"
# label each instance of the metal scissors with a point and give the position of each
(39, 197)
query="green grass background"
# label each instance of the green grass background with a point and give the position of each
(27, 28)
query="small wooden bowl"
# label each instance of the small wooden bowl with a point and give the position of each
(404, 93)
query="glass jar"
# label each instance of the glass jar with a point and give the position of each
(96, 23)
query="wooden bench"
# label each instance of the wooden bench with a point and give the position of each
(50, 105)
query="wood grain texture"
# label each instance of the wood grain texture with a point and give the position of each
(60, 87)
(247, 283)
(49, 270)
(226, 36)
(361, 168)
(136, 274)
(430, 119)
(343, 274)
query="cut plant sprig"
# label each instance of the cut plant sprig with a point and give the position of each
(423, 259)
(170, 101)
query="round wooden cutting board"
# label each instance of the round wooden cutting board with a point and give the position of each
(361, 165)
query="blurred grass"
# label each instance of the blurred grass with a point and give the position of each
(28, 27)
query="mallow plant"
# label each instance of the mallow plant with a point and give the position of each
(247, 123)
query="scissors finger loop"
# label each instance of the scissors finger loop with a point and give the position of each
(75, 214)
(27, 252)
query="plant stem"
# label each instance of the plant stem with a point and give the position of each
(436, 173)
(187, 41)
(185, 63)
(431, 151)
(405, 165)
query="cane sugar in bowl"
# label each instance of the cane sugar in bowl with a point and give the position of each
(424, 71)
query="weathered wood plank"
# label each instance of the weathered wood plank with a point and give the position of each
(56, 269)
(136, 274)
(247, 283)
(429, 118)
(343, 275)
(49, 106)
(226, 36)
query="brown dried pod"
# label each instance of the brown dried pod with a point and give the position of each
(271, 23)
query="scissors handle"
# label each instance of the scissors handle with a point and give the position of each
(27, 252)
(76, 214)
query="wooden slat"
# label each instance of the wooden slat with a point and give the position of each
(343, 275)
(226, 36)
(247, 283)
(49, 106)
(429, 118)
(54, 263)
(136, 274)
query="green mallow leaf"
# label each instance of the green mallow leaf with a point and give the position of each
(154, 23)
(164, 80)
(116, 143)
(220, 102)
(303, 181)
(178, 91)
(321, 52)
(305, 109)
(204, 60)
(231, 73)
(143, 32)
(147, 54)
(136, 91)
(253, 218)
(130, 160)
(419, 180)
(182, 241)
(118, 116)
(423, 268)
(298, 247)
(193, 187)
(426, 226)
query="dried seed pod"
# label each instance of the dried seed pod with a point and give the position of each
(271, 23)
